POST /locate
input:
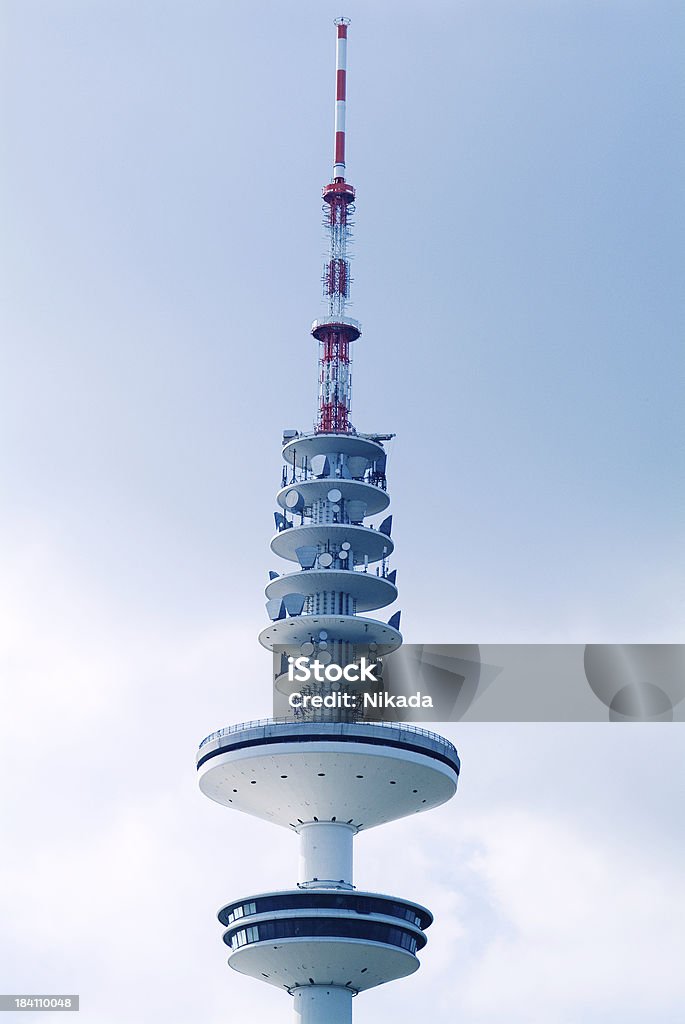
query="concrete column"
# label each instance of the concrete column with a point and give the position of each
(326, 855)
(323, 1004)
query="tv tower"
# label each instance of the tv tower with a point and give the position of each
(328, 773)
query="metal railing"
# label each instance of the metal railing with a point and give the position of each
(295, 475)
(262, 726)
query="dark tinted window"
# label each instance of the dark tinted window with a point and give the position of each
(314, 927)
(324, 901)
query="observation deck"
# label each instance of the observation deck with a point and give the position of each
(361, 773)
(296, 938)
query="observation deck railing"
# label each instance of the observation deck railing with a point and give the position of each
(262, 728)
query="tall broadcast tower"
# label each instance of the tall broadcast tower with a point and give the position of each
(326, 772)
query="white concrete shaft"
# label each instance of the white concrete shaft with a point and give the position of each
(323, 1004)
(326, 854)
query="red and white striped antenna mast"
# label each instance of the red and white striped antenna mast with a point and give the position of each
(336, 332)
(340, 98)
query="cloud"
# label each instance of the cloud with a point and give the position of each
(584, 926)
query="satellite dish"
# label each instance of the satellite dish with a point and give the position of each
(325, 559)
(373, 646)
(323, 635)
(343, 556)
(307, 648)
(346, 545)
(323, 644)
(334, 494)
(293, 500)
(325, 657)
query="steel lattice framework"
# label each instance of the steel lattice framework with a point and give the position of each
(336, 332)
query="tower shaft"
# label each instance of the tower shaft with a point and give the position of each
(323, 1004)
(326, 855)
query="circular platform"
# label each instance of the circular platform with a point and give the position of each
(353, 629)
(354, 963)
(363, 541)
(358, 902)
(368, 590)
(316, 489)
(363, 774)
(328, 444)
(343, 325)
(293, 938)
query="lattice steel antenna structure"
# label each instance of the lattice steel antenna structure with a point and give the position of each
(336, 332)
(329, 774)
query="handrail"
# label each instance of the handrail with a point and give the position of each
(296, 475)
(265, 723)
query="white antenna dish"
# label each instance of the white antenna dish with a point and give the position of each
(334, 495)
(325, 559)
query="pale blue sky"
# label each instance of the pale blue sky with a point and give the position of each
(518, 273)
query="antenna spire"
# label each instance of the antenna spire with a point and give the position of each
(336, 332)
(340, 84)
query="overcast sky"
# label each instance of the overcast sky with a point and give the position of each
(518, 274)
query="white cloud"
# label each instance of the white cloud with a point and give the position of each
(584, 924)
